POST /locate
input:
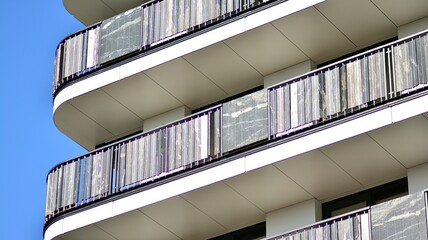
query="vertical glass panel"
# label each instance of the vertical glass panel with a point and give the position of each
(179, 146)
(286, 107)
(345, 229)
(88, 178)
(403, 67)
(66, 60)
(376, 76)
(244, 120)
(192, 141)
(357, 227)
(187, 14)
(120, 34)
(294, 119)
(319, 233)
(300, 103)
(128, 164)
(332, 88)
(365, 91)
(326, 232)
(93, 47)
(423, 59)
(308, 100)
(162, 19)
(204, 137)
(122, 165)
(59, 188)
(365, 226)
(157, 22)
(140, 164)
(333, 231)
(78, 54)
(57, 66)
(145, 28)
(48, 200)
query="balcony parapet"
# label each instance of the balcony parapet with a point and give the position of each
(371, 79)
(404, 218)
(139, 30)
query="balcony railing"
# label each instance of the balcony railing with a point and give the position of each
(139, 30)
(354, 225)
(400, 218)
(352, 85)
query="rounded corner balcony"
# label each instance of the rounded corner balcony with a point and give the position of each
(138, 30)
(156, 53)
(379, 94)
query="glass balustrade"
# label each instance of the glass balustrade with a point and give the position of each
(341, 89)
(133, 162)
(355, 225)
(138, 30)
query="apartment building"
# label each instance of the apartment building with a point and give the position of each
(242, 119)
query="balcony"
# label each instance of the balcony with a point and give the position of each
(106, 90)
(402, 218)
(344, 104)
(138, 30)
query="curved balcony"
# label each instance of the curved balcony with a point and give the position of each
(368, 81)
(138, 30)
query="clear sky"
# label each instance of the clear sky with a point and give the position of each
(30, 144)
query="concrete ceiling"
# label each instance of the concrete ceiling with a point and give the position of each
(324, 174)
(320, 33)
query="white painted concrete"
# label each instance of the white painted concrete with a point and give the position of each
(168, 117)
(417, 178)
(289, 73)
(412, 28)
(293, 217)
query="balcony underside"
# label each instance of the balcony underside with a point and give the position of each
(351, 156)
(221, 63)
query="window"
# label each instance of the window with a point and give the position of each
(365, 198)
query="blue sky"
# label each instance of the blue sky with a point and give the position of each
(30, 144)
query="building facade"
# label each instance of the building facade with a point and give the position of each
(242, 119)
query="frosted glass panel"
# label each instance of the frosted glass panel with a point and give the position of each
(244, 120)
(120, 35)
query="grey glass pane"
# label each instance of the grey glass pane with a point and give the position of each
(122, 165)
(343, 88)
(93, 46)
(377, 81)
(392, 218)
(345, 229)
(294, 117)
(216, 128)
(178, 146)
(120, 34)
(57, 69)
(128, 164)
(319, 233)
(301, 103)
(140, 165)
(244, 120)
(357, 227)
(308, 100)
